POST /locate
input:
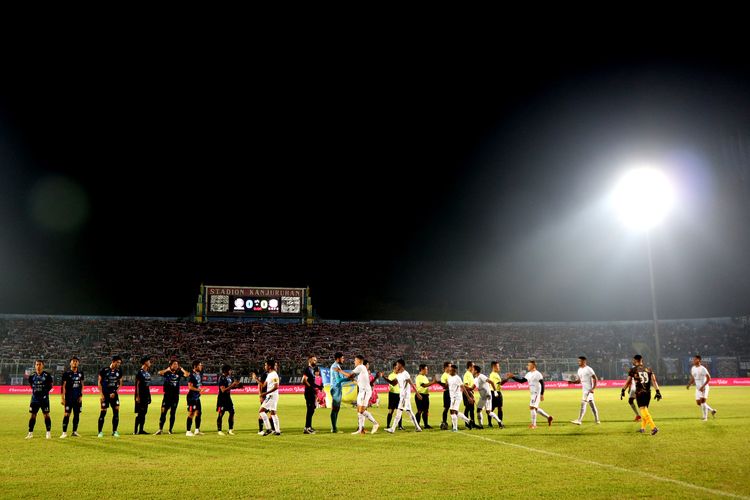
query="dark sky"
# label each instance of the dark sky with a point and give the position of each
(398, 179)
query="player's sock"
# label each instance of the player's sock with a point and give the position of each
(218, 421)
(704, 411)
(197, 421)
(334, 416)
(481, 419)
(276, 425)
(48, 423)
(542, 412)
(137, 423)
(708, 408)
(594, 410)
(454, 420)
(66, 419)
(414, 420)
(496, 418)
(582, 412)
(463, 417)
(230, 421)
(172, 415)
(115, 419)
(189, 423)
(76, 417)
(388, 419)
(266, 423)
(424, 418)
(260, 424)
(533, 417)
(102, 414)
(32, 423)
(397, 419)
(369, 416)
(162, 419)
(361, 422)
(632, 406)
(445, 415)
(651, 422)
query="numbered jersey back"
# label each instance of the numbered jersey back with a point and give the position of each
(642, 377)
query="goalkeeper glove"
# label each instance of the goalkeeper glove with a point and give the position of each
(622, 394)
(658, 395)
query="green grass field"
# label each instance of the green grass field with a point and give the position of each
(688, 458)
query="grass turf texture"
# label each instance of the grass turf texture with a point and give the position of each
(606, 461)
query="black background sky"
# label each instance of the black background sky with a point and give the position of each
(415, 178)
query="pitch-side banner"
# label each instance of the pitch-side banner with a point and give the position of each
(300, 389)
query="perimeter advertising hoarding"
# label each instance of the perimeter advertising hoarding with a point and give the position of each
(256, 302)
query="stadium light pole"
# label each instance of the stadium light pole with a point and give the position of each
(643, 197)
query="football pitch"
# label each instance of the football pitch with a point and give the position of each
(687, 458)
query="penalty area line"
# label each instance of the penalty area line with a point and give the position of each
(613, 467)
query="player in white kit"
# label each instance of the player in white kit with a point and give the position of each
(403, 379)
(700, 377)
(455, 388)
(486, 388)
(536, 391)
(587, 379)
(270, 396)
(362, 375)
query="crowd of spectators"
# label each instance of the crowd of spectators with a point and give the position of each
(245, 345)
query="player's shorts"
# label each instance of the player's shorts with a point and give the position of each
(484, 402)
(108, 401)
(271, 401)
(42, 404)
(224, 406)
(535, 399)
(455, 404)
(643, 399)
(404, 403)
(587, 397)
(364, 395)
(424, 403)
(336, 395)
(169, 401)
(497, 401)
(194, 405)
(701, 395)
(73, 406)
(446, 398)
(393, 400)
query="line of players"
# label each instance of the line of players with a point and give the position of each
(456, 390)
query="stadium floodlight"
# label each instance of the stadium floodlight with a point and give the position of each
(643, 197)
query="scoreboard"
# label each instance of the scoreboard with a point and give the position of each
(255, 302)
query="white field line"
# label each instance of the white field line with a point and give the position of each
(613, 467)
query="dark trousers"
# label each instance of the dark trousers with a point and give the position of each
(310, 402)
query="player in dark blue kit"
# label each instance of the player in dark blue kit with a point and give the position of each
(224, 402)
(72, 396)
(41, 384)
(194, 399)
(142, 394)
(109, 382)
(172, 376)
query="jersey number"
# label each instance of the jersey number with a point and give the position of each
(644, 377)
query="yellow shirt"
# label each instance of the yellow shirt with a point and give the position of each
(395, 389)
(444, 378)
(469, 380)
(422, 379)
(496, 378)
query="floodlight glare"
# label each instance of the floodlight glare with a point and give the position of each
(643, 197)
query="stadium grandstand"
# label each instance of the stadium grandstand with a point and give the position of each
(724, 344)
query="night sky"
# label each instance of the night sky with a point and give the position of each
(398, 180)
